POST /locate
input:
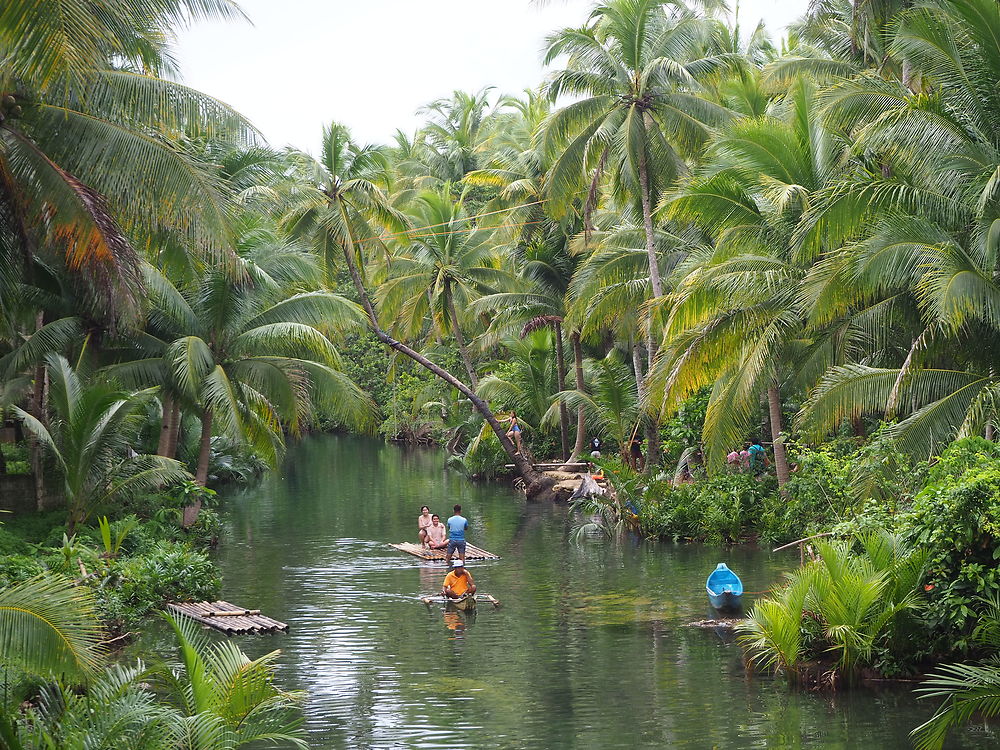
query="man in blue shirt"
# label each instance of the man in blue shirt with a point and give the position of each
(457, 525)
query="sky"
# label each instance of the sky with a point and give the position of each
(371, 64)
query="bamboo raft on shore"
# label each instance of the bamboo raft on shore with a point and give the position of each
(440, 555)
(228, 618)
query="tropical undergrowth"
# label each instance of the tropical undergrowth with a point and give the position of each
(133, 563)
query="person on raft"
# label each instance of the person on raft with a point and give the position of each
(437, 534)
(458, 582)
(457, 526)
(423, 521)
(514, 433)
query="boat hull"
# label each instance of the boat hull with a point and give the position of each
(464, 603)
(726, 600)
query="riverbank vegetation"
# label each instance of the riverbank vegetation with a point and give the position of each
(686, 237)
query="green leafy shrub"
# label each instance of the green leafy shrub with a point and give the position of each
(956, 518)
(720, 508)
(18, 568)
(169, 571)
(11, 543)
(841, 613)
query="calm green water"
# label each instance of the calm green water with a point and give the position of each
(590, 648)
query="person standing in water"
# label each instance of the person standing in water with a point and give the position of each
(457, 526)
(423, 521)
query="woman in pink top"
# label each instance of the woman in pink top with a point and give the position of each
(437, 533)
(423, 521)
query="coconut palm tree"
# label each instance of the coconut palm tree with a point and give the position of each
(535, 240)
(338, 209)
(90, 436)
(612, 401)
(736, 320)
(252, 355)
(528, 380)
(48, 629)
(92, 143)
(438, 271)
(455, 131)
(635, 68)
(231, 699)
(925, 209)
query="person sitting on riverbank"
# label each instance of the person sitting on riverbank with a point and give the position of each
(437, 534)
(458, 582)
(423, 521)
(457, 526)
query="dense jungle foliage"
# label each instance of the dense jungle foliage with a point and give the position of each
(688, 235)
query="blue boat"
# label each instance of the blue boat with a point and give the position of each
(725, 589)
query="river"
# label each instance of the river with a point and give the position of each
(591, 647)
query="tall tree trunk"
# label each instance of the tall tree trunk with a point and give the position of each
(536, 484)
(175, 430)
(780, 456)
(35, 449)
(459, 338)
(653, 457)
(580, 446)
(166, 425)
(652, 429)
(647, 223)
(561, 383)
(201, 473)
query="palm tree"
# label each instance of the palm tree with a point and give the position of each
(253, 355)
(438, 270)
(48, 629)
(231, 698)
(736, 320)
(528, 381)
(92, 158)
(925, 211)
(612, 403)
(339, 210)
(635, 68)
(90, 437)
(536, 242)
(222, 700)
(455, 132)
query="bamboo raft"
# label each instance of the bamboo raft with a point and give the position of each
(228, 618)
(439, 555)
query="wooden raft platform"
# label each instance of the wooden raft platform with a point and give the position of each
(574, 466)
(471, 552)
(228, 618)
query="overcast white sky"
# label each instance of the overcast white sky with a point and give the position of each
(372, 63)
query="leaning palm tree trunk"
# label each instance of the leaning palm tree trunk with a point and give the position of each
(780, 456)
(536, 484)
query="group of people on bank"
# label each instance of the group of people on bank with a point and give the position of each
(753, 458)
(449, 536)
